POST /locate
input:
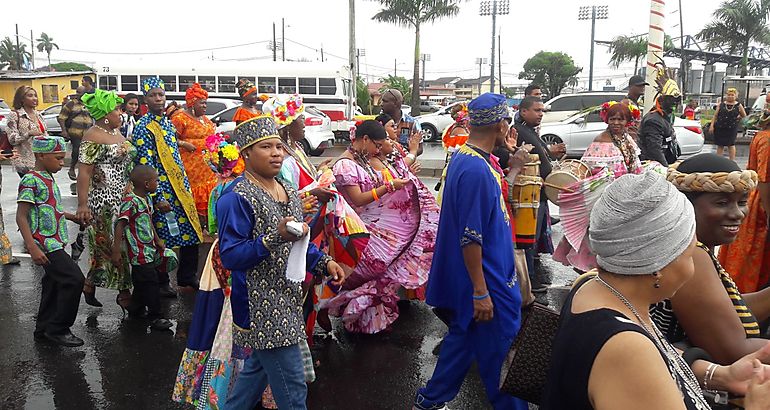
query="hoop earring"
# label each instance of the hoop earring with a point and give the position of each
(656, 285)
(106, 121)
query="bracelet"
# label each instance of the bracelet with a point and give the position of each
(374, 195)
(709, 375)
(392, 186)
(411, 156)
(482, 297)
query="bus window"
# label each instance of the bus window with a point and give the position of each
(208, 82)
(169, 82)
(266, 85)
(129, 83)
(185, 82)
(108, 82)
(327, 86)
(287, 85)
(226, 84)
(307, 85)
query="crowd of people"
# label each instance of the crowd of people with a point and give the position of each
(293, 243)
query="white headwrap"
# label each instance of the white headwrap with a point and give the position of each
(640, 224)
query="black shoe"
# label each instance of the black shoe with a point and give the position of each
(67, 339)
(167, 292)
(161, 324)
(72, 174)
(194, 284)
(78, 247)
(137, 312)
(40, 337)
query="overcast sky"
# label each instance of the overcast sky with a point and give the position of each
(140, 26)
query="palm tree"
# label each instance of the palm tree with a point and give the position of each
(45, 43)
(414, 13)
(625, 49)
(11, 56)
(736, 25)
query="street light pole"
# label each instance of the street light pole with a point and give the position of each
(593, 13)
(493, 7)
(480, 61)
(424, 58)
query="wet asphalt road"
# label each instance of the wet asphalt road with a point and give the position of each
(124, 365)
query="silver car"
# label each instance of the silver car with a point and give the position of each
(51, 119)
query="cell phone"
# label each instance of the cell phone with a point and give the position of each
(7, 152)
(295, 228)
(405, 132)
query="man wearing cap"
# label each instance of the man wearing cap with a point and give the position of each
(636, 85)
(176, 218)
(473, 277)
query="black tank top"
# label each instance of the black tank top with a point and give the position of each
(579, 339)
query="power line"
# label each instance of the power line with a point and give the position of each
(164, 52)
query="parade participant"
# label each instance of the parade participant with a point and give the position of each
(136, 238)
(248, 109)
(456, 134)
(533, 90)
(691, 110)
(192, 127)
(267, 250)
(409, 154)
(724, 125)
(657, 139)
(24, 123)
(6, 251)
(176, 217)
(473, 278)
(407, 126)
(401, 217)
(612, 151)
(748, 257)
(530, 115)
(129, 115)
(708, 311)
(643, 233)
(636, 87)
(88, 84)
(75, 120)
(106, 160)
(41, 221)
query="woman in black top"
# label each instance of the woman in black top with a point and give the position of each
(607, 353)
(724, 125)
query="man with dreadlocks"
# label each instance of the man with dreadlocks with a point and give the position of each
(657, 139)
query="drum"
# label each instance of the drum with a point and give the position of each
(532, 168)
(564, 174)
(526, 201)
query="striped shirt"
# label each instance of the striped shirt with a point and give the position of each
(663, 314)
(76, 118)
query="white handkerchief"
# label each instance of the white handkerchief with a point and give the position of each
(296, 266)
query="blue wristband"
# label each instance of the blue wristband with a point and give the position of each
(482, 297)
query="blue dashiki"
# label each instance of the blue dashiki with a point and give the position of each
(162, 153)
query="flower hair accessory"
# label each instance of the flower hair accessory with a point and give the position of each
(636, 114)
(222, 157)
(284, 108)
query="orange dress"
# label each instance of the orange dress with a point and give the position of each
(202, 179)
(242, 114)
(748, 258)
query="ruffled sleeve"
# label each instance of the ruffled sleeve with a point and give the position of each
(348, 173)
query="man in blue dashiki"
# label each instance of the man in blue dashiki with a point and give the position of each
(473, 278)
(156, 144)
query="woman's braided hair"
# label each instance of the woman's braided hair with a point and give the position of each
(735, 181)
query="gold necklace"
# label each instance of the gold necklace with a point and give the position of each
(273, 193)
(113, 132)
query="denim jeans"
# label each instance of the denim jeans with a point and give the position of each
(282, 369)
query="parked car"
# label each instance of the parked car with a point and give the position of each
(429, 106)
(318, 128)
(579, 131)
(563, 106)
(4, 111)
(51, 119)
(433, 125)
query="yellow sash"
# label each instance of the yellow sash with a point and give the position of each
(176, 177)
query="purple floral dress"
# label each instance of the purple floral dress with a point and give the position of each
(402, 227)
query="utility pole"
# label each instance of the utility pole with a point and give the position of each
(480, 61)
(593, 13)
(493, 7)
(395, 67)
(352, 56)
(32, 44)
(500, 61)
(684, 54)
(360, 52)
(283, 40)
(424, 58)
(274, 43)
(18, 49)
(322, 53)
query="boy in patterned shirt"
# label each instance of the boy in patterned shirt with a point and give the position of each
(146, 252)
(43, 225)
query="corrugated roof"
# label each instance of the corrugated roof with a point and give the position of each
(26, 75)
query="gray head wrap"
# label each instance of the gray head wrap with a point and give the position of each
(640, 224)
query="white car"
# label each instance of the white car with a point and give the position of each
(434, 124)
(579, 131)
(565, 105)
(318, 128)
(51, 119)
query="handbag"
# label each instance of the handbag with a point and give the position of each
(525, 370)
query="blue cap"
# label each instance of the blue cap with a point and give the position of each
(488, 109)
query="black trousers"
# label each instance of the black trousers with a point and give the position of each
(62, 285)
(75, 155)
(187, 270)
(146, 289)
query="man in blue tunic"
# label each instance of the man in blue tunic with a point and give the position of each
(473, 279)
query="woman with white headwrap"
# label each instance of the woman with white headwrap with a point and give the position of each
(643, 233)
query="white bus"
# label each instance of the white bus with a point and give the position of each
(322, 85)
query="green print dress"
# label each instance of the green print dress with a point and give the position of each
(112, 163)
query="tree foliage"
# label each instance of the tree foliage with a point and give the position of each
(70, 66)
(12, 56)
(552, 70)
(736, 24)
(363, 99)
(413, 14)
(626, 49)
(400, 84)
(45, 43)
